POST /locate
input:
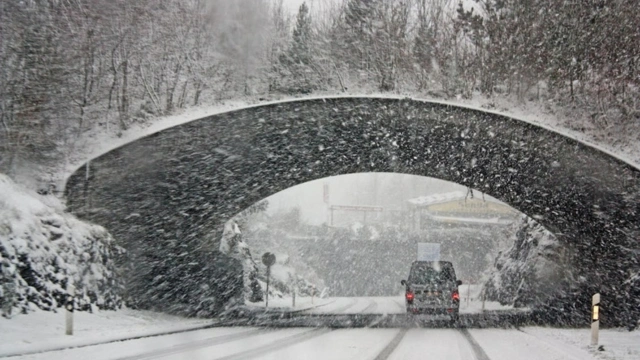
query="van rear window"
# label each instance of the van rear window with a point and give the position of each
(428, 275)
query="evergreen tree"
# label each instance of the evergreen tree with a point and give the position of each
(298, 61)
(358, 16)
(300, 48)
(356, 32)
(422, 53)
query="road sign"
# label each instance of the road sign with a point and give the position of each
(268, 259)
(428, 252)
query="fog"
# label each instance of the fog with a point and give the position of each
(387, 190)
(350, 249)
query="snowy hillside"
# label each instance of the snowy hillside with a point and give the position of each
(42, 249)
(530, 271)
(288, 270)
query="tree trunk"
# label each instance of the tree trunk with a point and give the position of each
(124, 102)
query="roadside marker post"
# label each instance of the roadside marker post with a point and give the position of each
(268, 259)
(484, 297)
(293, 290)
(268, 276)
(595, 319)
(71, 292)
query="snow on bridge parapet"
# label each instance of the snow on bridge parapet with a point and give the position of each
(101, 143)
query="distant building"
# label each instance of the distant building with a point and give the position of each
(458, 208)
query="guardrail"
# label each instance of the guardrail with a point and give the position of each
(488, 319)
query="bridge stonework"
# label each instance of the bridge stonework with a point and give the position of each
(168, 195)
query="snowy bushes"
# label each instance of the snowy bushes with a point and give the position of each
(233, 245)
(42, 248)
(531, 271)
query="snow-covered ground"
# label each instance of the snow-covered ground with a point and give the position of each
(45, 330)
(43, 248)
(549, 343)
(471, 300)
(616, 343)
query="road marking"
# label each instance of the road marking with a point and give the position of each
(176, 349)
(277, 345)
(393, 344)
(477, 349)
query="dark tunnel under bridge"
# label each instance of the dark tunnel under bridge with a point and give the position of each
(166, 197)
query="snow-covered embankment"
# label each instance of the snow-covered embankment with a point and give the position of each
(42, 248)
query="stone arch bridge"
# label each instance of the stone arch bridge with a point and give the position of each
(166, 197)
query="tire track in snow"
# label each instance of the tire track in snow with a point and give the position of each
(477, 349)
(392, 345)
(344, 308)
(400, 304)
(371, 307)
(277, 345)
(216, 340)
(338, 310)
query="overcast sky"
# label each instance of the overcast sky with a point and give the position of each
(294, 5)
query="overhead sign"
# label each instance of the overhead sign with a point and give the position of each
(428, 252)
(357, 208)
(470, 207)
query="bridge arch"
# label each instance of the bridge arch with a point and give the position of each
(180, 185)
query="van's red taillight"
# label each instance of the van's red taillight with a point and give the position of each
(455, 296)
(409, 295)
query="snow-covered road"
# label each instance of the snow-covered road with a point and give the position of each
(324, 343)
(359, 305)
(469, 303)
(410, 341)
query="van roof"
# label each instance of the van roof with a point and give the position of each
(440, 263)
